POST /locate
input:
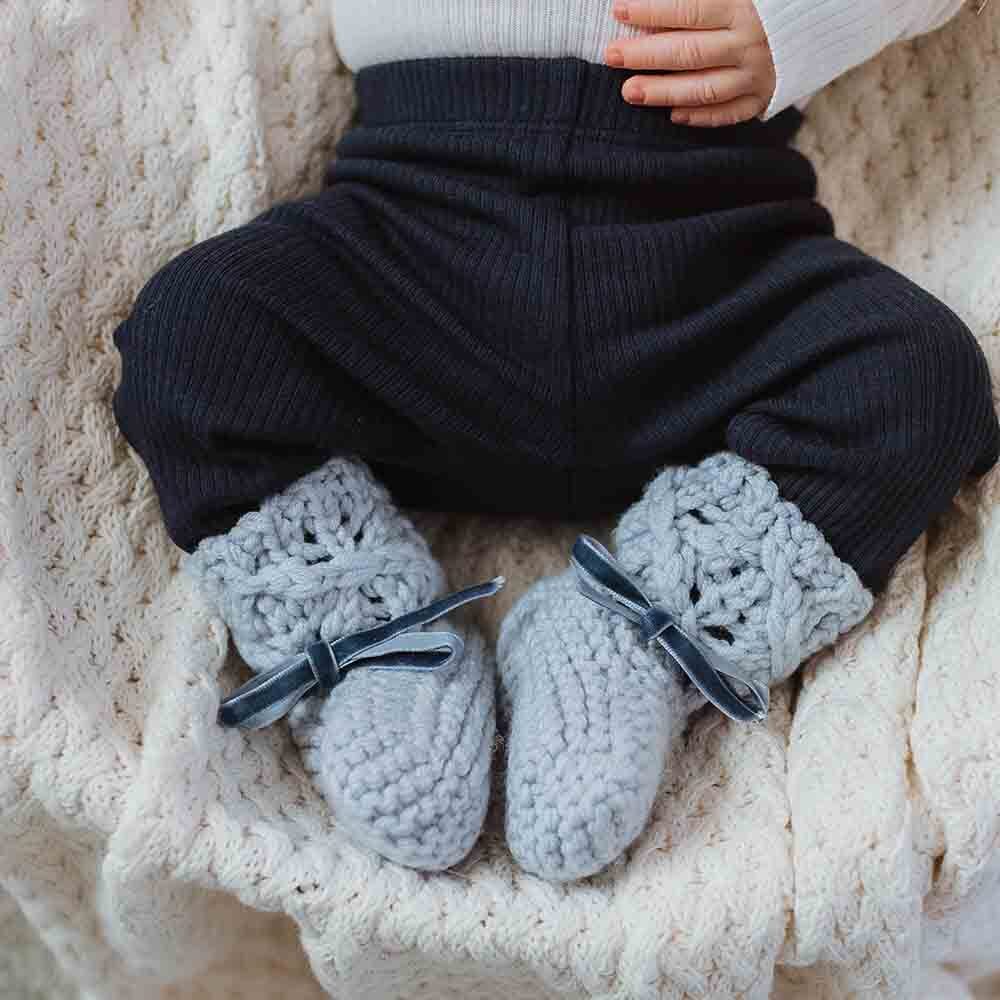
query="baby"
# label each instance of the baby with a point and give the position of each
(565, 263)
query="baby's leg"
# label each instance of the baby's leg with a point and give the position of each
(871, 403)
(230, 389)
(249, 433)
(873, 425)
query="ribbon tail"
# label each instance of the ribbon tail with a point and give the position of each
(710, 678)
(268, 696)
(600, 579)
(450, 602)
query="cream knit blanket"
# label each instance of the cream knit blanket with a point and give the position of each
(844, 849)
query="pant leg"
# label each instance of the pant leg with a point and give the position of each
(883, 407)
(224, 394)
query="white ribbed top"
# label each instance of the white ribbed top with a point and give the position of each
(381, 30)
(812, 41)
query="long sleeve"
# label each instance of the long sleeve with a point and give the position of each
(815, 41)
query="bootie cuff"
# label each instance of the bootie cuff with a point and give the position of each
(329, 554)
(741, 569)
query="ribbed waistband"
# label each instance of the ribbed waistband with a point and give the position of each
(519, 91)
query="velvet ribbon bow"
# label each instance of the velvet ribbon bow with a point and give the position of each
(601, 579)
(323, 664)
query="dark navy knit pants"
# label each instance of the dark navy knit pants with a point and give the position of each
(517, 293)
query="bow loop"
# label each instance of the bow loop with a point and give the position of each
(393, 646)
(602, 580)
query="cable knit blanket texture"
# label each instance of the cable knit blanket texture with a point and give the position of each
(846, 848)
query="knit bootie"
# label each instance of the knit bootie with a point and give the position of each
(402, 758)
(594, 707)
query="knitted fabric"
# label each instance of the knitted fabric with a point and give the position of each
(739, 567)
(326, 556)
(843, 849)
(812, 41)
(402, 758)
(559, 385)
(594, 708)
(592, 712)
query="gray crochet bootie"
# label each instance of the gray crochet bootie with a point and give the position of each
(403, 758)
(594, 707)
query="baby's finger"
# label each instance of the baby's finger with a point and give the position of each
(676, 50)
(688, 89)
(714, 115)
(675, 13)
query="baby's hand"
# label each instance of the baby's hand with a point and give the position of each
(721, 70)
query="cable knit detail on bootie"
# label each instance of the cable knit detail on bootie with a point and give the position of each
(741, 568)
(331, 554)
(402, 758)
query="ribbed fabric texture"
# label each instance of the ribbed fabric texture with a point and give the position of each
(815, 41)
(519, 293)
(393, 30)
(812, 41)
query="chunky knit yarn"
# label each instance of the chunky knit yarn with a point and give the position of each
(742, 569)
(402, 758)
(594, 709)
(405, 758)
(811, 41)
(328, 555)
(828, 855)
(592, 712)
